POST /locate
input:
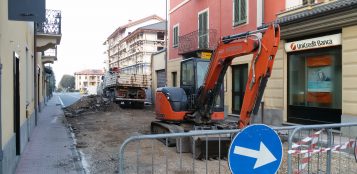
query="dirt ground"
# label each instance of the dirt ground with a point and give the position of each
(99, 135)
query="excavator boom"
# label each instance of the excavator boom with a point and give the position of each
(263, 47)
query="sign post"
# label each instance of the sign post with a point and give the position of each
(256, 149)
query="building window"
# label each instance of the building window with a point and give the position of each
(160, 36)
(239, 12)
(203, 29)
(175, 36)
(174, 79)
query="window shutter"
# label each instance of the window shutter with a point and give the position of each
(236, 12)
(239, 11)
(243, 10)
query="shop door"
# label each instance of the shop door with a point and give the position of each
(239, 81)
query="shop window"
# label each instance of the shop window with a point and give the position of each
(315, 79)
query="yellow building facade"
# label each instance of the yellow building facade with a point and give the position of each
(23, 84)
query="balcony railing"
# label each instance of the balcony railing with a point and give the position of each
(52, 52)
(196, 40)
(301, 5)
(52, 25)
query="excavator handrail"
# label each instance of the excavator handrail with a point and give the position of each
(230, 38)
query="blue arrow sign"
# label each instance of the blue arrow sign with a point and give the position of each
(256, 149)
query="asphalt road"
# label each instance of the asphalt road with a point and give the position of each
(67, 98)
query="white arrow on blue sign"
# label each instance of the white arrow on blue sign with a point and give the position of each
(256, 149)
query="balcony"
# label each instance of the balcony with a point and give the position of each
(48, 33)
(316, 16)
(301, 5)
(49, 56)
(196, 41)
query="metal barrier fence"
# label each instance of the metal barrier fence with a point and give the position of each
(307, 149)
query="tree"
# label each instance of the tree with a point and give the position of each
(67, 82)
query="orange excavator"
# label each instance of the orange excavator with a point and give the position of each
(198, 103)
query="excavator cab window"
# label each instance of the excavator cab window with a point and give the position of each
(193, 73)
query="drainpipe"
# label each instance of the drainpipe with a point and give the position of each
(167, 49)
(35, 74)
(1, 152)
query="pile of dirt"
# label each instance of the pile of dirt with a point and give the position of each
(90, 104)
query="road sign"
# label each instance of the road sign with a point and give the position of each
(256, 149)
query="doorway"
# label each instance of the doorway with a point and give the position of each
(17, 102)
(239, 81)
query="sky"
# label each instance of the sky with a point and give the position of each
(86, 24)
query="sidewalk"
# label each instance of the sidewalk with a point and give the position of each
(50, 149)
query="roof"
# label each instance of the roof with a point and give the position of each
(328, 8)
(156, 26)
(123, 27)
(90, 72)
(160, 26)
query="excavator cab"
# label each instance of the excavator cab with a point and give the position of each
(193, 72)
(181, 101)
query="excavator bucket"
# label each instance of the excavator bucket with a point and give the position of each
(212, 146)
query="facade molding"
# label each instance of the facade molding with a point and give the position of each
(319, 24)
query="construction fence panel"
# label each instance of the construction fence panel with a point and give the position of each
(328, 149)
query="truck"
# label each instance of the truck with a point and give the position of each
(195, 105)
(128, 90)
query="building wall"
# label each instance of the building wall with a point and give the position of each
(220, 14)
(349, 78)
(274, 92)
(157, 63)
(349, 71)
(137, 58)
(80, 79)
(114, 44)
(173, 66)
(14, 37)
(228, 88)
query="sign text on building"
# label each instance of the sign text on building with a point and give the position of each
(318, 42)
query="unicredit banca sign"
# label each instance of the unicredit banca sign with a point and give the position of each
(318, 42)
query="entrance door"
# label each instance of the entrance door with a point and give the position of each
(239, 81)
(17, 102)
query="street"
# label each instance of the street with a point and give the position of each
(68, 98)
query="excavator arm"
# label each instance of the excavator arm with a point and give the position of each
(263, 47)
